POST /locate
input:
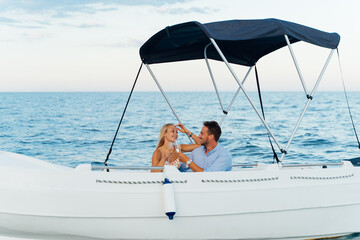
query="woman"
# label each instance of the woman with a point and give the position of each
(164, 153)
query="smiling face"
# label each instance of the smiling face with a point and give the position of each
(204, 136)
(171, 134)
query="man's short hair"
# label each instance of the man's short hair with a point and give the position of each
(214, 129)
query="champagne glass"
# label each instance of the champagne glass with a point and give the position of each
(177, 146)
(170, 147)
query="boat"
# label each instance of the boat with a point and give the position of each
(42, 200)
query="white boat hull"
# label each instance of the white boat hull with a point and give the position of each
(266, 202)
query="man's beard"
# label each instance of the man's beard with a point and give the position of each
(205, 143)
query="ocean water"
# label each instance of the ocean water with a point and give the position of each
(74, 128)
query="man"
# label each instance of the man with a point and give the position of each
(211, 156)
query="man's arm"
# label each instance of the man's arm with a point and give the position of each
(185, 159)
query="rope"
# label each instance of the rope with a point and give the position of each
(263, 113)
(347, 100)
(122, 117)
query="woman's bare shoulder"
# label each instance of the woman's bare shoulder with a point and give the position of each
(157, 152)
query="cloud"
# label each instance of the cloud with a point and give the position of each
(84, 25)
(22, 24)
(6, 20)
(28, 26)
(70, 6)
(130, 42)
(34, 13)
(182, 11)
(34, 36)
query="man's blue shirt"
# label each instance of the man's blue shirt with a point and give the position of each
(218, 159)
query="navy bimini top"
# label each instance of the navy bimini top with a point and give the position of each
(242, 42)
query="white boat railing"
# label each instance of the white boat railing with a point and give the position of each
(126, 167)
(234, 165)
(311, 165)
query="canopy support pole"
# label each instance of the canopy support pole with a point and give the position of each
(307, 104)
(296, 65)
(216, 89)
(347, 100)
(212, 78)
(235, 96)
(122, 117)
(245, 93)
(163, 93)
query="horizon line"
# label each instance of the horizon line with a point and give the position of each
(125, 91)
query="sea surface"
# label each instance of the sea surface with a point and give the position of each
(79, 127)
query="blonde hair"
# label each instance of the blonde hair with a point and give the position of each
(163, 130)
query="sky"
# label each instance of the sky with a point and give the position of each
(90, 45)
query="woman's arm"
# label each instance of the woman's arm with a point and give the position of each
(195, 138)
(157, 160)
(188, 147)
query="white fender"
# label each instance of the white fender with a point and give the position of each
(169, 199)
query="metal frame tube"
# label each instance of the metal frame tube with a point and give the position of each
(235, 96)
(245, 93)
(163, 93)
(296, 65)
(212, 76)
(307, 103)
(322, 72)
(216, 89)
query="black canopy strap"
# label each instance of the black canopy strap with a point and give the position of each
(346, 97)
(263, 113)
(122, 117)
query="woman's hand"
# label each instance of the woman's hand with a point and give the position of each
(182, 128)
(182, 157)
(194, 167)
(168, 153)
